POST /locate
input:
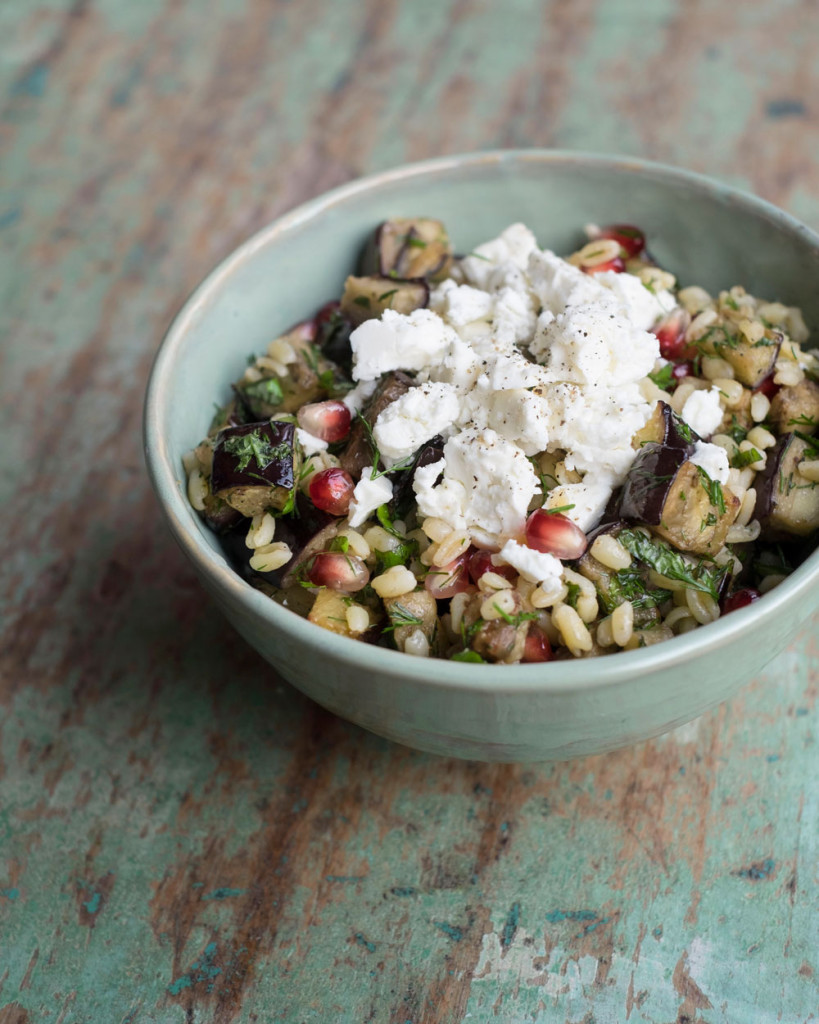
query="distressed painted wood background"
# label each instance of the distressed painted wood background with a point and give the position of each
(183, 838)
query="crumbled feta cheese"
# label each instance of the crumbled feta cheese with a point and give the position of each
(713, 459)
(486, 487)
(641, 305)
(702, 411)
(512, 246)
(557, 284)
(309, 442)
(518, 416)
(459, 365)
(460, 304)
(357, 398)
(398, 342)
(414, 418)
(368, 495)
(472, 352)
(535, 566)
(584, 502)
(594, 344)
(596, 426)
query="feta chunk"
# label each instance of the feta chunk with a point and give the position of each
(512, 246)
(414, 418)
(702, 411)
(520, 417)
(486, 487)
(367, 496)
(713, 459)
(309, 442)
(593, 345)
(588, 498)
(642, 307)
(535, 566)
(460, 304)
(399, 342)
(356, 399)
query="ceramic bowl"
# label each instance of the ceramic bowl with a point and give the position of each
(703, 231)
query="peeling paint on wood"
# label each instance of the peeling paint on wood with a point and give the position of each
(183, 838)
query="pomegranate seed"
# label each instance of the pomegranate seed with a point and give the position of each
(767, 387)
(338, 571)
(326, 312)
(331, 490)
(741, 599)
(682, 370)
(555, 534)
(328, 420)
(448, 580)
(670, 332)
(306, 330)
(630, 239)
(537, 646)
(617, 264)
(480, 562)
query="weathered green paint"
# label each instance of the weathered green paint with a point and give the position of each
(147, 763)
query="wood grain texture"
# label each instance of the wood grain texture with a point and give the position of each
(182, 837)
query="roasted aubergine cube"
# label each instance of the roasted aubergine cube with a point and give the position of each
(403, 495)
(359, 451)
(665, 427)
(255, 467)
(678, 500)
(787, 503)
(408, 248)
(796, 408)
(411, 612)
(752, 361)
(366, 298)
(310, 377)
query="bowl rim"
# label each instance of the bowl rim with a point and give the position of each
(559, 677)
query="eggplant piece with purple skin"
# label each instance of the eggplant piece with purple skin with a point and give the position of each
(333, 336)
(753, 361)
(665, 427)
(305, 533)
(408, 248)
(403, 496)
(359, 452)
(310, 376)
(255, 467)
(787, 503)
(678, 500)
(366, 298)
(219, 516)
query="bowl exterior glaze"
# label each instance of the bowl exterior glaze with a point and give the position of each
(704, 232)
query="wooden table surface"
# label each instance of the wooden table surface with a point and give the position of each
(184, 838)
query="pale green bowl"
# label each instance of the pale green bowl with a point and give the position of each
(703, 231)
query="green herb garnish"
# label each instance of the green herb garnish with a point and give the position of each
(663, 559)
(267, 390)
(664, 377)
(516, 620)
(254, 446)
(713, 489)
(401, 616)
(742, 459)
(467, 655)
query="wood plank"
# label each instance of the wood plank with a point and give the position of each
(184, 838)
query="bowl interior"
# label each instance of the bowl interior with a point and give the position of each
(705, 233)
